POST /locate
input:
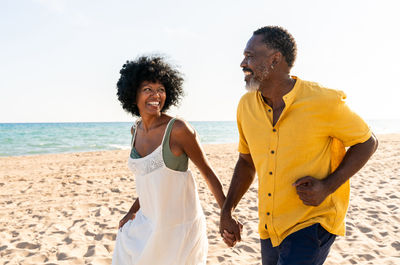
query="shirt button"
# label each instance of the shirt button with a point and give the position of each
(269, 110)
(268, 213)
(274, 130)
(270, 172)
(269, 194)
(272, 152)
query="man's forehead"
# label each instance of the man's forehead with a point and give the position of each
(255, 44)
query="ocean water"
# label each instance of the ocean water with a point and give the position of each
(43, 138)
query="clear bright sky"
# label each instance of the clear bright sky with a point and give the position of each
(60, 59)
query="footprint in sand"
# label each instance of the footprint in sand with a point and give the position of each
(88, 233)
(98, 250)
(75, 221)
(101, 225)
(364, 229)
(67, 240)
(211, 237)
(61, 256)
(366, 256)
(246, 248)
(109, 248)
(58, 232)
(90, 251)
(110, 236)
(396, 245)
(27, 245)
(99, 237)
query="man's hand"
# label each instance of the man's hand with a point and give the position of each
(230, 229)
(243, 176)
(311, 191)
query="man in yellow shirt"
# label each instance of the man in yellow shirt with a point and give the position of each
(293, 134)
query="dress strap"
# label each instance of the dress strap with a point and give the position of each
(134, 129)
(168, 130)
(166, 133)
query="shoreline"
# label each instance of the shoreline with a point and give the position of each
(379, 136)
(94, 151)
(64, 208)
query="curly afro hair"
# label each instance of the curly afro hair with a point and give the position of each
(279, 39)
(151, 69)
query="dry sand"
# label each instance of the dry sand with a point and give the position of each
(64, 208)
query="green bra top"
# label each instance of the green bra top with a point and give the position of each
(178, 163)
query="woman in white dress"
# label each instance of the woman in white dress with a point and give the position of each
(166, 224)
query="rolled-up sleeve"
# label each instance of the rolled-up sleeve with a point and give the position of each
(346, 125)
(243, 145)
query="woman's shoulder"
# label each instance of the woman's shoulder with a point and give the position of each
(134, 126)
(182, 128)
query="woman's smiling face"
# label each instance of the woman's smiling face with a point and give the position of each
(150, 98)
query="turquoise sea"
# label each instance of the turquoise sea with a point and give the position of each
(43, 138)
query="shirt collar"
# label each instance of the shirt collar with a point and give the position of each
(289, 97)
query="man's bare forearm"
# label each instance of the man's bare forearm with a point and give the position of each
(242, 178)
(356, 157)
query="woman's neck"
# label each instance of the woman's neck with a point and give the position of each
(150, 122)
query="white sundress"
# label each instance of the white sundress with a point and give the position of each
(170, 227)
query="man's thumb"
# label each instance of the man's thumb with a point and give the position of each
(301, 181)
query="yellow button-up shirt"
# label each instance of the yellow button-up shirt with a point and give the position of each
(302, 143)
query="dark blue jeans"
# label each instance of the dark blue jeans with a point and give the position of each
(308, 246)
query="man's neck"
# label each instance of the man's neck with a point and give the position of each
(275, 88)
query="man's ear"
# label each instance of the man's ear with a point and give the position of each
(277, 57)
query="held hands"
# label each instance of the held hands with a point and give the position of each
(230, 230)
(126, 218)
(311, 191)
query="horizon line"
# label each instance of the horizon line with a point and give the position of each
(41, 122)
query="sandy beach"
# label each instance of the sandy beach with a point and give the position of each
(64, 208)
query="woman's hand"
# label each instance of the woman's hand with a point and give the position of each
(126, 218)
(131, 214)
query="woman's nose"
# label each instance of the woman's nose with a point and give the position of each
(155, 93)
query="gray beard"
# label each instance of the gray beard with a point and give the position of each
(252, 85)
